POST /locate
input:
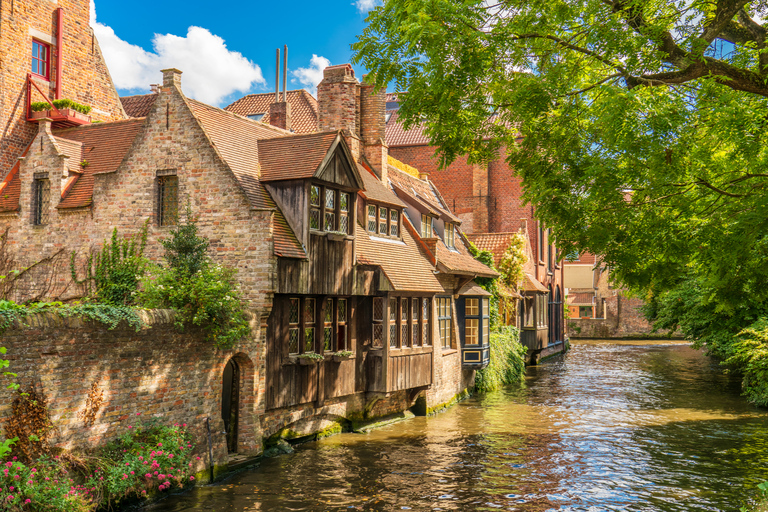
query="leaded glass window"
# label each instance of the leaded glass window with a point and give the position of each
(382, 220)
(309, 325)
(394, 224)
(404, 341)
(344, 212)
(314, 207)
(372, 218)
(393, 323)
(41, 201)
(378, 322)
(425, 326)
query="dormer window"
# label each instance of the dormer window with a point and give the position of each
(328, 209)
(383, 221)
(256, 117)
(426, 226)
(450, 235)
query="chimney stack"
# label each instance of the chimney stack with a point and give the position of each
(338, 98)
(372, 127)
(171, 77)
(280, 111)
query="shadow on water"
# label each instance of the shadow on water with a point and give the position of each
(651, 427)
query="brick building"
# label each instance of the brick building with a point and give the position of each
(340, 254)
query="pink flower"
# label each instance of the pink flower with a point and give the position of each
(191, 478)
(148, 475)
(160, 445)
(28, 500)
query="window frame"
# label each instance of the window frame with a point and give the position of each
(445, 322)
(161, 177)
(383, 224)
(450, 235)
(46, 62)
(483, 319)
(41, 200)
(378, 322)
(319, 323)
(426, 226)
(324, 210)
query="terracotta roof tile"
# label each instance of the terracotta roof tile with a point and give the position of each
(396, 135)
(139, 105)
(461, 262)
(581, 298)
(375, 190)
(237, 141)
(530, 284)
(303, 109)
(10, 189)
(472, 288)
(497, 243)
(422, 192)
(294, 157)
(103, 146)
(405, 264)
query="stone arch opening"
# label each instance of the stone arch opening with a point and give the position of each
(238, 405)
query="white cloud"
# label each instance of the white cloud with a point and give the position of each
(211, 71)
(366, 5)
(313, 75)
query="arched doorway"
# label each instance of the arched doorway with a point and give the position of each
(230, 403)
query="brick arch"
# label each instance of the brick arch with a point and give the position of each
(248, 431)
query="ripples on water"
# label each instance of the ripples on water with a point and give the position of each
(607, 427)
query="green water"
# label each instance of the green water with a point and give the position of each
(635, 426)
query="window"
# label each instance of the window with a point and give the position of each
(309, 325)
(541, 309)
(527, 312)
(450, 235)
(585, 311)
(41, 54)
(293, 326)
(444, 321)
(394, 223)
(405, 330)
(167, 199)
(329, 209)
(415, 305)
(476, 321)
(256, 117)
(393, 323)
(549, 249)
(303, 316)
(378, 322)
(383, 221)
(41, 201)
(426, 332)
(426, 226)
(540, 244)
(372, 218)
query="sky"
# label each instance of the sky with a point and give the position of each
(225, 50)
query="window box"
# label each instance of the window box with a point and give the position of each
(336, 236)
(309, 359)
(343, 355)
(67, 115)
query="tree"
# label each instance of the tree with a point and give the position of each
(638, 127)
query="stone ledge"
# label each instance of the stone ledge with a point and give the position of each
(150, 318)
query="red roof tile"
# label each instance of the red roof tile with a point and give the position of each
(138, 106)
(103, 146)
(530, 284)
(375, 190)
(472, 288)
(460, 261)
(396, 135)
(581, 298)
(496, 243)
(303, 109)
(294, 157)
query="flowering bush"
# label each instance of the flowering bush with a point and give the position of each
(149, 458)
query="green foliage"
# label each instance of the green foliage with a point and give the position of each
(507, 364)
(40, 106)
(762, 505)
(635, 138)
(114, 272)
(201, 293)
(44, 485)
(750, 357)
(312, 356)
(106, 314)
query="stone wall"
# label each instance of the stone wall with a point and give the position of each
(156, 372)
(624, 318)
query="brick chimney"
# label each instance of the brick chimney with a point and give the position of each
(338, 98)
(372, 127)
(171, 78)
(280, 115)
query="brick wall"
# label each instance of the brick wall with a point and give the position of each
(157, 372)
(84, 75)
(623, 318)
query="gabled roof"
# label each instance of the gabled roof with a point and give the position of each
(422, 193)
(581, 299)
(404, 264)
(139, 105)
(103, 147)
(305, 156)
(472, 288)
(375, 190)
(237, 139)
(530, 284)
(303, 109)
(460, 262)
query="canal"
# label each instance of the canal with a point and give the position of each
(611, 426)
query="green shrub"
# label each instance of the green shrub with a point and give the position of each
(40, 106)
(201, 293)
(112, 275)
(507, 364)
(749, 355)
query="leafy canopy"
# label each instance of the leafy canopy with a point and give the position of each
(638, 128)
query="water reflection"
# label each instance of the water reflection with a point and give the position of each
(609, 427)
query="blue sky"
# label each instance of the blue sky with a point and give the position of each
(226, 49)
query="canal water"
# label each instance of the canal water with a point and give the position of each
(637, 426)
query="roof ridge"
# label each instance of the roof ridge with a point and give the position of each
(303, 135)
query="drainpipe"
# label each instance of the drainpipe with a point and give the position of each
(59, 49)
